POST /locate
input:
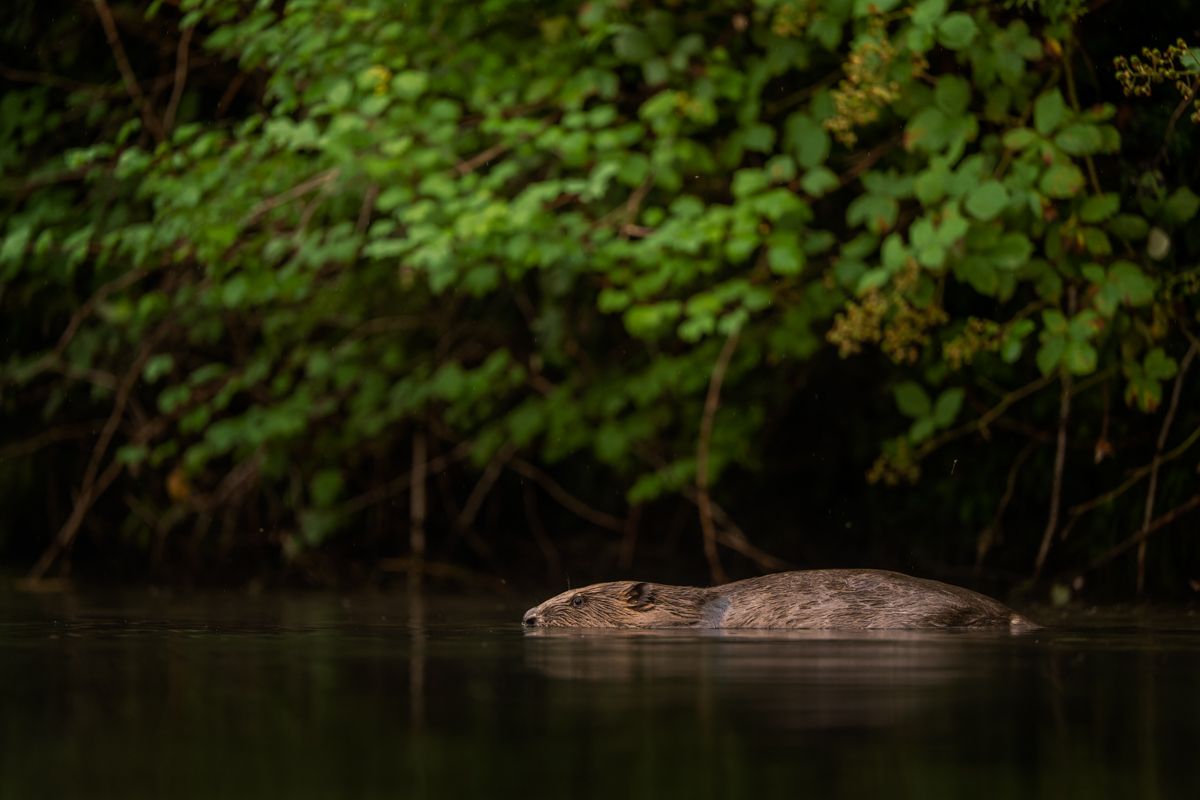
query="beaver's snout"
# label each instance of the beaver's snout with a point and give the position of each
(530, 619)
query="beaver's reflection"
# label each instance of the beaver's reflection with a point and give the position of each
(798, 679)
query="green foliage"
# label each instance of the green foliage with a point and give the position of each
(533, 228)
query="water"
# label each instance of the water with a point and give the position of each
(302, 696)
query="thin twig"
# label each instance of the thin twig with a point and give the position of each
(131, 82)
(1136, 476)
(712, 402)
(63, 433)
(544, 542)
(294, 193)
(990, 416)
(1148, 515)
(565, 499)
(987, 537)
(1144, 534)
(181, 70)
(416, 500)
(94, 483)
(1060, 458)
(491, 473)
(401, 483)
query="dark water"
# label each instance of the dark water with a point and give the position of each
(297, 697)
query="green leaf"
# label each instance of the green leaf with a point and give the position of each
(819, 181)
(912, 400)
(1050, 353)
(987, 200)
(949, 403)
(806, 140)
(1020, 138)
(1181, 206)
(1012, 251)
(1133, 285)
(785, 257)
(1049, 110)
(1079, 357)
(633, 46)
(927, 12)
(1061, 181)
(1159, 366)
(1129, 226)
(325, 487)
(1080, 139)
(956, 30)
(1099, 207)
(952, 94)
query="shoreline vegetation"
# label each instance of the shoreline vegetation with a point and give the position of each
(316, 293)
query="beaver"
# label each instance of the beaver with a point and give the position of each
(823, 598)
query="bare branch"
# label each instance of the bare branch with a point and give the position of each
(712, 402)
(181, 70)
(567, 500)
(1157, 462)
(1060, 458)
(131, 82)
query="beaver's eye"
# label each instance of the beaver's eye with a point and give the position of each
(577, 600)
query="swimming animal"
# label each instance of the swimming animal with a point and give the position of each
(852, 599)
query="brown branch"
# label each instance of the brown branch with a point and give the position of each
(48, 437)
(401, 483)
(565, 499)
(704, 502)
(94, 483)
(1157, 461)
(416, 507)
(987, 537)
(84, 311)
(994, 413)
(1136, 476)
(294, 193)
(46, 79)
(733, 537)
(367, 208)
(538, 530)
(131, 83)
(1060, 458)
(1176, 115)
(1144, 534)
(491, 473)
(181, 71)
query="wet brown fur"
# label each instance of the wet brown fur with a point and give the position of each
(831, 598)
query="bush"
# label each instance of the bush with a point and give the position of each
(597, 244)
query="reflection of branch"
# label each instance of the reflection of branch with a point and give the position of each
(1157, 462)
(704, 503)
(131, 83)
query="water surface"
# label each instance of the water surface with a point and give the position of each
(322, 696)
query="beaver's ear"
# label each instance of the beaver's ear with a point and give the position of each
(640, 596)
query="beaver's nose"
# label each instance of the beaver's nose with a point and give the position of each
(530, 619)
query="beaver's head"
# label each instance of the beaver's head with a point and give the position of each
(620, 604)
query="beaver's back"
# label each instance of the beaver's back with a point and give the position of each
(853, 598)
